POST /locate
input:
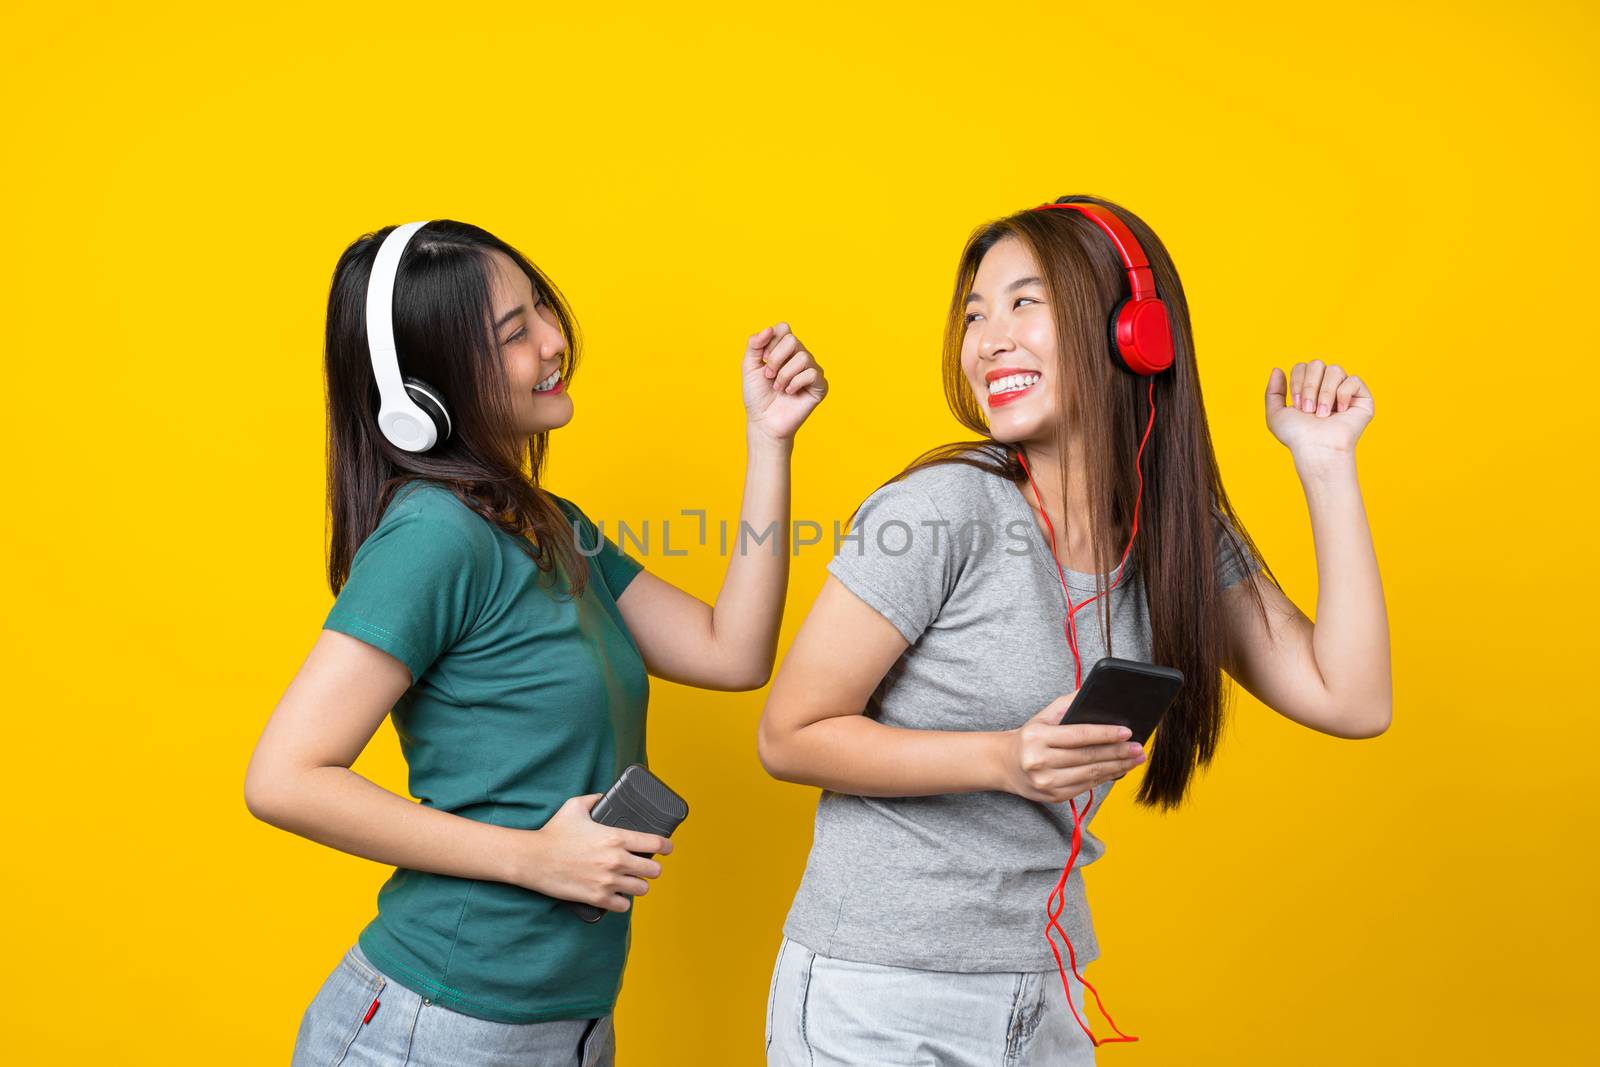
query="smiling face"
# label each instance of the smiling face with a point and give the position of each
(1008, 351)
(531, 346)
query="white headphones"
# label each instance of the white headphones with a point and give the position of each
(411, 412)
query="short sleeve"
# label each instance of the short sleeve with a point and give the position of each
(1235, 561)
(415, 589)
(616, 567)
(899, 558)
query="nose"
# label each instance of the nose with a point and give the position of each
(994, 340)
(555, 346)
(552, 342)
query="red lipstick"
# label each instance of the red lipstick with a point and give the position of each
(1001, 399)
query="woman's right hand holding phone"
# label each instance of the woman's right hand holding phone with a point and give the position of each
(1047, 762)
(572, 857)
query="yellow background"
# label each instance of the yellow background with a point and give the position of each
(1407, 190)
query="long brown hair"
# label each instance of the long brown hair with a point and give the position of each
(1174, 554)
(443, 331)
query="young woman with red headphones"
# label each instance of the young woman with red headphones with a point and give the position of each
(925, 690)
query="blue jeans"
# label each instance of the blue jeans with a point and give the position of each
(409, 1030)
(826, 1012)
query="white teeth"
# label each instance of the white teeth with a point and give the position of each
(549, 383)
(1012, 383)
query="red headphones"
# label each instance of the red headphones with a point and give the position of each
(1141, 335)
(1141, 342)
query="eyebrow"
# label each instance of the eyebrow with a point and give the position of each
(1013, 287)
(508, 316)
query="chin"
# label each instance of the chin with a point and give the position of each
(1006, 435)
(554, 424)
(1011, 426)
(554, 420)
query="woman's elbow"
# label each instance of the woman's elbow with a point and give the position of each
(736, 671)
(1380, 709)
(1367, 721)
(753, 676)
(256, 797)
(772, 751)
(1379, 722)
(265, 793)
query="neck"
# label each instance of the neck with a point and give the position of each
(1068, 517)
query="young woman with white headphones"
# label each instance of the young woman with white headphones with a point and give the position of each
(925, 690)
(512, 643)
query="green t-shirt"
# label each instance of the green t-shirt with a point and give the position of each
(520, 699)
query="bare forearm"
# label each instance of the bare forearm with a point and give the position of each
(337, 807)
(1351, 635)
(749, 606)
(861, 756)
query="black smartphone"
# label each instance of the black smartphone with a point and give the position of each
(1125, 692)
(638, 800)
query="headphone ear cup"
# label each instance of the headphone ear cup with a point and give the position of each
(1145, 324)
(431, 402)
(1116, 346)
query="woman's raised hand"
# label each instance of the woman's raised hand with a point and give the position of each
(1049, 763)
(572, 857)
(782, 382)
(1317, 408)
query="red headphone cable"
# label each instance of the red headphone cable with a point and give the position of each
(1058, 898)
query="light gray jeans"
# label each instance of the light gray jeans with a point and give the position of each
(826, 1012)
(408, 1030)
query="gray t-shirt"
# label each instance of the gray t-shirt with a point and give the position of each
(953, 557)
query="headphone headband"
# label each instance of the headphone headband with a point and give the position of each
(380, 311)
(1140, 332)
(1140, 278)
(405, 423)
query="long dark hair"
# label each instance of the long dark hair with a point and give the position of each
(1174, 554)
(443, 331)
